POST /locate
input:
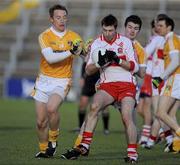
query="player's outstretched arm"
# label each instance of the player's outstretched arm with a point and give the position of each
(54, 56)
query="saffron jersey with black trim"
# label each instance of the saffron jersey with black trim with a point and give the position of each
(49, 38)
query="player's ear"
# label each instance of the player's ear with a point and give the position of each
(67, 19)
(51, 19)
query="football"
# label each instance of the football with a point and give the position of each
(95, 55)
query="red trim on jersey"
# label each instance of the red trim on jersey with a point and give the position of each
(123, 57)
(112, 41)
(101, 37)
(118, 35)
(160, 54)
(150, 58)
(132, 65)
(113, 64)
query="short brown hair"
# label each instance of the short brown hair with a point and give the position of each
(56, 7)
(110, 20)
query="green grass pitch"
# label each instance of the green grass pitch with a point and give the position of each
(19, 144)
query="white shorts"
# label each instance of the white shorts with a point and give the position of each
(172, 87)
(158, 67)
(45, 86)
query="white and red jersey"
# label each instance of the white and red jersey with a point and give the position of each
(124, 50)
(155, 49)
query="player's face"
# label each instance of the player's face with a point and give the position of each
(131, 30)
(109, 32)
(162, 29)
(59, 20)
(155, 27)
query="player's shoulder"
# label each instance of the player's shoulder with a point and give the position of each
(99, 38)
(176, 37)
(157, 38)
(44, 33)
(97, 42)
(137, 43)
(172, 39)
(73, 33)
(124, 39)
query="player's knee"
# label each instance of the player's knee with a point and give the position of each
(94, 108)
(126, 120)
(51, 109)
(42, 124)
(160, 114)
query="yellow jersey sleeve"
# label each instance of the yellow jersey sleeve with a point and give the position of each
(172, 44)
(140, 53)
(43, 40)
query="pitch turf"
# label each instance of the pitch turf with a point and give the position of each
(18, 140)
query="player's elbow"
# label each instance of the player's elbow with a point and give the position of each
(47, 53)
(50, 61)
(89, 72)
(91, 69)
(175, 58)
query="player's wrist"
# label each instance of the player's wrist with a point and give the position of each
(162, 77)
(97, 65)
(120, 61)
(71, 51)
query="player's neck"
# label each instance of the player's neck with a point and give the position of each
(58, 33)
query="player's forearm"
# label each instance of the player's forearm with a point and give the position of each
(130, 66)
(172, 65)
(54, 57)
(142, 71)
(150, 48)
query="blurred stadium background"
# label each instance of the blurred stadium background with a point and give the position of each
(21, 21)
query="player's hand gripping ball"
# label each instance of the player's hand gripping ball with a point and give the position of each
(99, 57)
(87, 45)
(76, 47)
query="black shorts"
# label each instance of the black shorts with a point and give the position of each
(143, 95)
(89, 85)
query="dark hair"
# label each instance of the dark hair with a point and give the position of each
(152, 24)
(160, 16)
(110, 20)
(135, 19)
(56, 7)
(168, 21)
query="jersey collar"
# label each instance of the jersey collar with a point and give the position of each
(59, 34)
(170, 34)
(112, 41)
